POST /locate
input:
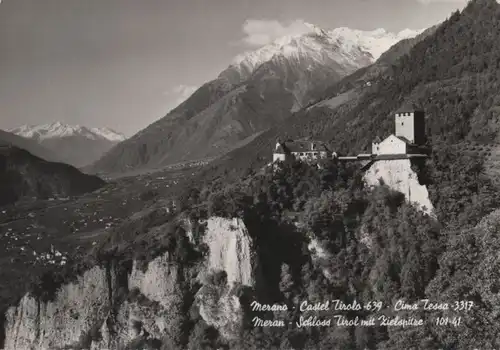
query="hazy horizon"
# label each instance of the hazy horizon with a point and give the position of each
(123, 64)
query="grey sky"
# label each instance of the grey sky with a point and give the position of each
(125, 63)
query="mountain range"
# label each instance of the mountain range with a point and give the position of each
(73, 144)
(259, 90)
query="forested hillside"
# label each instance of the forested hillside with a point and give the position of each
(7, 138)
(373, 247)
(24, 176)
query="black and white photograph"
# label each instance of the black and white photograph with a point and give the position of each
(249, 175)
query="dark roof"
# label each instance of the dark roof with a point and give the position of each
(280, 149)
(404, 139)
(408, 108)
(300, 146)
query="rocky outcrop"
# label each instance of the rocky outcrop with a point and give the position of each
(230, 250)
(399, 176)
(106, 308)
(89, 313)
(35, 324)
(321, 256)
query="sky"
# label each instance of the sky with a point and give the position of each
(125, 63)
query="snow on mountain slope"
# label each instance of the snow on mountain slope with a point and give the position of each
(60, 130)
(73, 144)
(375, 42)
(108, 134)
(343, 45)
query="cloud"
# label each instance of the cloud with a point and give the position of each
(180, 93)
(259, 32)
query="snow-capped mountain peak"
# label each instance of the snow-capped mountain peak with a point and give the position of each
(60, 130)
(376, 41)
(346, 46)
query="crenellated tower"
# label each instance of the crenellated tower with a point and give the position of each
(410, 124)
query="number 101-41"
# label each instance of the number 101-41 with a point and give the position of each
(448, 321)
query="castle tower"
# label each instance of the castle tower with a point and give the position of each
(410, 124)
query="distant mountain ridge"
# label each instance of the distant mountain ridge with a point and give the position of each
(59, 129)
(74, 144)
(257, 91)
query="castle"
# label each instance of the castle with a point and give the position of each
(407, 142)
(300, 150)
(409, 134)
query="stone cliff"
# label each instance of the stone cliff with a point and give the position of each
(399, 176)
(108, 307)
(220, 307)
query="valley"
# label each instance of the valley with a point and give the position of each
(41, 235)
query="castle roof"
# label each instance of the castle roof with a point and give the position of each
(404, 139)
(300, 146)
(281, 149)
(408, 107)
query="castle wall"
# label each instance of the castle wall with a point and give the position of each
(391, 145)
(279, 157)
(419, 125)
(304, 156)
(405, 126)
(411, 126)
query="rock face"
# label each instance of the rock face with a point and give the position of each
(37, 325)
(399, 176)
(85, 314)
(230, 250)
(107, 308)
(320, 254)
